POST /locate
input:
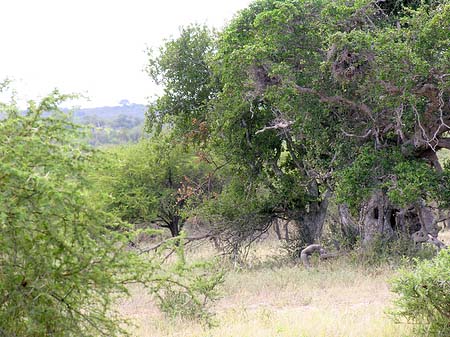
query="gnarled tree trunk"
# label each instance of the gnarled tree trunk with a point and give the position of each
(382, 219)
(311, 220)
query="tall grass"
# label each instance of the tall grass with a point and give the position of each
(275, 297)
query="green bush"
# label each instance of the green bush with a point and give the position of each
(61, 267)
(395, 251)
(190, 295)
(424, 296)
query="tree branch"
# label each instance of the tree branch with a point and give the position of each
(283, 124)
(187, 239)
(338, 100)
(444, 143)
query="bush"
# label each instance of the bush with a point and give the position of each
(396, 251)
(191, 289)
(425, 295)
(61, 267)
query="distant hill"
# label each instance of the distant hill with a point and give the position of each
(111, 112)
(113, 125)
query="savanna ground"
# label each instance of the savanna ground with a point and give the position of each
(270, 297)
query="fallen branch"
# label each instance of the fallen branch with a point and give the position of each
(308, 251)
(315, 248)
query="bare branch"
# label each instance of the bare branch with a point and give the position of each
(187, 240)
(435, 241)
(281, 124)
(367, 134)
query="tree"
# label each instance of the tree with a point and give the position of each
(334, 98)
(396, 75)
(339, 87)
(278, 140)
(153, 181)
(182, 67)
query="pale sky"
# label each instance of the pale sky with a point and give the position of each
(94, 47)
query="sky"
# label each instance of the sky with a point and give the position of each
(94, 47)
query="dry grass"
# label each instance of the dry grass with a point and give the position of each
(271, 299)
(444, 236)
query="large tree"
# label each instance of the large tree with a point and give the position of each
(334, 97)
(340, 87)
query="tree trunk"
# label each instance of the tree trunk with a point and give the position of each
(174, 226)
(381, 219)
(349, 228)
(276, 227)
(311, 221)
(376, 218)
(286, 230)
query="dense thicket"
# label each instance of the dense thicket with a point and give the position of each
(59, 263)
(424, 296)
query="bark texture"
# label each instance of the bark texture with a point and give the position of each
(382, 219)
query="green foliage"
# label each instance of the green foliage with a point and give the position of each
(190, 294)
(425, 295)
(357, 181)
(152, 181)
(61, 267)
(413, 179)
(404, 179)
(393, 252)
(309, 96)
(181, 66)
(235, 201)
(444, 188)
(238, 214)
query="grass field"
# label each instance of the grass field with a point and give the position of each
(271, 298)
(278, 298)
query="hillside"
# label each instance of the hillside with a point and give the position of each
(113, 124)
(110, 112)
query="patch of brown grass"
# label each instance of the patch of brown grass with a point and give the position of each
(444, 236)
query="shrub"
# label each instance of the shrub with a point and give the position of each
(61, 267)
(190, 290)
(424, 295)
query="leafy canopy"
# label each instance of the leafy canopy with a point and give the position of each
(154, 181)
